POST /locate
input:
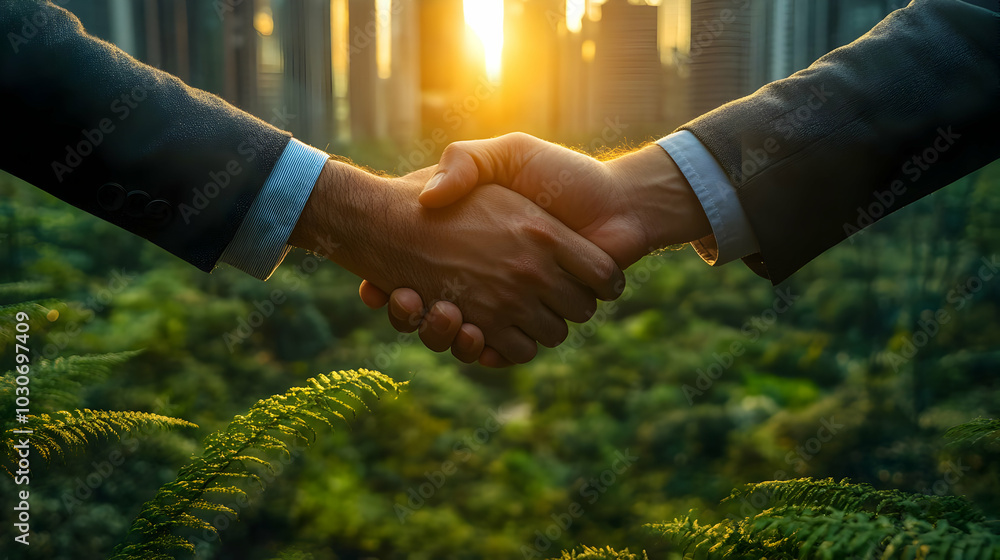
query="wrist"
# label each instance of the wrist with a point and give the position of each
(340, 207)
(661, 198)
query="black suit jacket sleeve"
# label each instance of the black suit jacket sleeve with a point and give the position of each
(126, 142)
(869, 128)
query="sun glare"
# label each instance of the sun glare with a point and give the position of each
(383, 38)
(485, 19)
(575, 10)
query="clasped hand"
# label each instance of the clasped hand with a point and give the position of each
(502, 242)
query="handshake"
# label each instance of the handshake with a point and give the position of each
(491, 251)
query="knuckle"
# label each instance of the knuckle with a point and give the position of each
(607, 270)
(526, 354)
(585, 311)
(556, 335)
(517, 138)
(539, 231)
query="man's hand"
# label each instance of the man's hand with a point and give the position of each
(515, 274)
(628, 206)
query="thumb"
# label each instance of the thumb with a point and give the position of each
(457, 174)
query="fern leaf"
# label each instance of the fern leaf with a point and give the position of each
(227, 455)
(589, 553)
(827, 519)
(56, 384)
(63, 433)
(975, 431)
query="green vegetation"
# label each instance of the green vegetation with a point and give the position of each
(709, 378)
(824, 519)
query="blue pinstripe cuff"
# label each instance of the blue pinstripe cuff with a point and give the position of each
(261, 242)
(732, 238)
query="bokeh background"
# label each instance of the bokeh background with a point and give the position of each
(846, 369)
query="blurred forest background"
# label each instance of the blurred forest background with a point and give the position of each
(703, 379)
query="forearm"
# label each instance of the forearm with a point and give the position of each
(807, 153)
(98, 117)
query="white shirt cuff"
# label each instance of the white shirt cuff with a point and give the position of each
(732, 237)
(261, 242)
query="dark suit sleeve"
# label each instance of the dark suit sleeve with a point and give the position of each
(126, 142)
(869, 128)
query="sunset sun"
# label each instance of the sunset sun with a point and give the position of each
(485, 19)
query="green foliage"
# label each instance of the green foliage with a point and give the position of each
(62, 433)
(589, 553)
(973, 432)
(615, 385)
(236, 454)
(58, 384)
(826, 519)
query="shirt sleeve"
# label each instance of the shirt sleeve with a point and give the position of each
(732, 238)
(261, 242)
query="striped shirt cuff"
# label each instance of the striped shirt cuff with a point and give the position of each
(261, 242)
(732, 237)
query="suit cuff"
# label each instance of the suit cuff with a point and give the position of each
(732, 238)
(261, 242)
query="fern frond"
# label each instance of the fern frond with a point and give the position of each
(850, 498)
(826, 519)
(589, 553)
(247, 440)
(975, 431)
(63, 433)
(56, 384)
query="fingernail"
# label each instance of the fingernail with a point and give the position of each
(434, 182)
(439, 321)
(620, 287)
(464, 341)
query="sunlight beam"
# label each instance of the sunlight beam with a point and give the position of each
(575, 10)
(485, 19)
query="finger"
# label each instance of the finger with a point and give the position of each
(571, 300)
(466, 165)
(406, 310)
(492, 359)
(469, 343)
(440, 326)
(592, 266)
(457, 174)
(546, 327)
(513, 344)
(372, 296)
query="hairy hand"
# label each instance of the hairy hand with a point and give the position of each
(514, 273)
(628, 206)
